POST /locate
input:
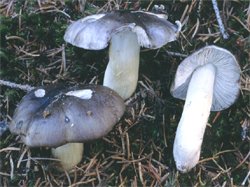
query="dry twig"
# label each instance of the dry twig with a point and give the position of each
(219, 20)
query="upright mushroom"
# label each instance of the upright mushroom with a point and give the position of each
(126, 31)
(62, 117)
(208, 80)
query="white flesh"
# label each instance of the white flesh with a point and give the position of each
(191, 128)
(121, 73)
(69, 154)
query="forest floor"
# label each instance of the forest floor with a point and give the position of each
(139, 150)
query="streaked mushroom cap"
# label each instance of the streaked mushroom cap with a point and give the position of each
(55, 115)
(95, 31)
(226, 86)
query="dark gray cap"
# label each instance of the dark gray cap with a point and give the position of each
(227, 79)
(55, 115)
(95, 31)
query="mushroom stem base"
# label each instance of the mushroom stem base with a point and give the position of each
(69, 155)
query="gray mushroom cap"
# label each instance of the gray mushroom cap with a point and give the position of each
(95, 31)
(55, 115)
(227, 79)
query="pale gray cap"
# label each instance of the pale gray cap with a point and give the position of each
(227, 78)
(54, 115)
(95, 31)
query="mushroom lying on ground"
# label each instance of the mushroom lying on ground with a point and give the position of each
(208, 80)
(126, 31)
(63, 117)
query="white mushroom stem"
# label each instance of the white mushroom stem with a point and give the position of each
(69, 154)
(191, 128)
(121, 73)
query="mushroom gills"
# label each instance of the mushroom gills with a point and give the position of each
(191, 128)
(122, 71)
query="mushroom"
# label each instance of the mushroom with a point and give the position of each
(63, 117)
(126, 31)
(209, 81)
